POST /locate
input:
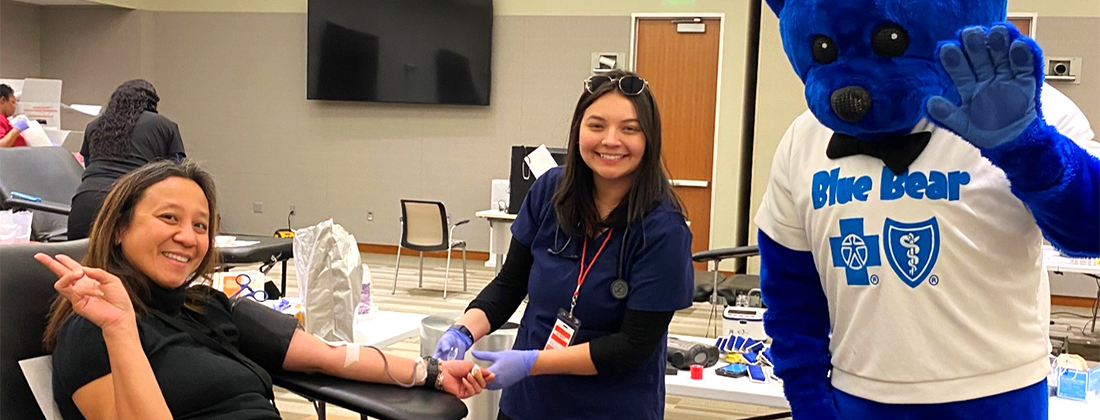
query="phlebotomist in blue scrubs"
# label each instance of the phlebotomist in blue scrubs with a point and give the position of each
(602, 248)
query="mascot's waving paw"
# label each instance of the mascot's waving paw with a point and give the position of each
(997, 77)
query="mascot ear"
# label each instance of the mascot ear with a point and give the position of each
(776, 5)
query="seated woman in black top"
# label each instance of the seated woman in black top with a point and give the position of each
(131, 339)
(129, 134)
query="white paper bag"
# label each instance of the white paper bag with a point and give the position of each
(15, 227)
(330, 277)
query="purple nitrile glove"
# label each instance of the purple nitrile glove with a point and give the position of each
(509, 366)
(452, 345)
(20, 123)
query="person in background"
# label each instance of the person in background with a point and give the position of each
(10, 130)
(132, 338)
(129, 134)
(602, 248)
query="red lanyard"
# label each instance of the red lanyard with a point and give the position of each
(584, 271)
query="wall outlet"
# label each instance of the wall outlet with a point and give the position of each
(257, 207)
(370, 216)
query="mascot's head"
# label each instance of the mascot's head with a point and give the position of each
(869, 65)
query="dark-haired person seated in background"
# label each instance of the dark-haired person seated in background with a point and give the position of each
(129, 134)
(10, 130)
(131, 339)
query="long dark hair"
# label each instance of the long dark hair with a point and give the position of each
(116, 126)
(114, 216)
(574, 200)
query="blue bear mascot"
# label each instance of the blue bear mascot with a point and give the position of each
(901, 231)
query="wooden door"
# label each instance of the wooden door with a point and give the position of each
(1022, 24)
(682, 70)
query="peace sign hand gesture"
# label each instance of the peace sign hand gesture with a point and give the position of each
(95, 294)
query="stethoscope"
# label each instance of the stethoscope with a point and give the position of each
(619, 288)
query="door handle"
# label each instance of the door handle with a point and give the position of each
(689, 183)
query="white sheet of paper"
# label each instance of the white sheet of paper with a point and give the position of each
(39, 374)
(540, 161)
(57, 137)
(90, 110)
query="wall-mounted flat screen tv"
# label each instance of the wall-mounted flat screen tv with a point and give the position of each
(409, 51)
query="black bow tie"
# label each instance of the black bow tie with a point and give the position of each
(897, 153)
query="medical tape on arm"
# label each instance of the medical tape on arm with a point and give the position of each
(351, 353)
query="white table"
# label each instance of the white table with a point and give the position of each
(741, 390)
(383, 328)
(1056, 262)
(500, 234)
(1063, 409)
(714, 387)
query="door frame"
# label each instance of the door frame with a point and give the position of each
(634, 18)
(1031, 18)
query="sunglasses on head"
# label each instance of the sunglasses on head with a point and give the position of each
(628, 85)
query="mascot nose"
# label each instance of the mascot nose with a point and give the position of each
(851, 103)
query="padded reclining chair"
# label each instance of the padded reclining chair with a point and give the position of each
(49, 173)
(26, 289)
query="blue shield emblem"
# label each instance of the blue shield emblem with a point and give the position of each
(912, 248)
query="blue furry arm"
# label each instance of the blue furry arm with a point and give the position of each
(1059, 182)
(797, 320)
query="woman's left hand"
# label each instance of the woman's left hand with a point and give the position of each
(95, 294)
(463, 378)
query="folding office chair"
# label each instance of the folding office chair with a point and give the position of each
(425, 227)
(26, 289)
(49, 173)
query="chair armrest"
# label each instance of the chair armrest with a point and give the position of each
(385, 402)
(46, 206)
(460, 223)
(724, 253)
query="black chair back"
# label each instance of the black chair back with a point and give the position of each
(424, 226)
(50, 173)
(26, 289)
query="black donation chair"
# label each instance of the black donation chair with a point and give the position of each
(26, 289)
(49, 173)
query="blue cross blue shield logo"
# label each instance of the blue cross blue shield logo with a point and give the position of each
(912, 248)
(855, 251)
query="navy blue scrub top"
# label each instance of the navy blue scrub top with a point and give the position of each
(659, 272)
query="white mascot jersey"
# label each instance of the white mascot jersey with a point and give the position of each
(935, 277)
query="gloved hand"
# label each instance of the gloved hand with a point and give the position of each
(452, 345)
(509, 366)
(20, 123)
(998, 81)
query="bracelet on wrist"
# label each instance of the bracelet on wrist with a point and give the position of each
(433, 376)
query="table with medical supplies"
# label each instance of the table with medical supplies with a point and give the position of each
(741, 390)
(500, 234)
(241, 250)
(715, 387)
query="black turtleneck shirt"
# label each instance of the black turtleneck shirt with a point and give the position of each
(197, 382)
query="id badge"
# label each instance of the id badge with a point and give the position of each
(565, 328)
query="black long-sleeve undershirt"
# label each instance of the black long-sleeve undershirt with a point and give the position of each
(640, 335)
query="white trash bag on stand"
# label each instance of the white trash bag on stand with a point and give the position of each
(330, 280)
